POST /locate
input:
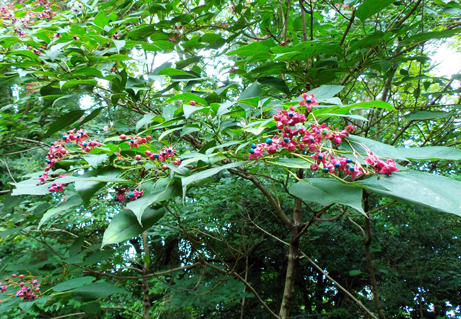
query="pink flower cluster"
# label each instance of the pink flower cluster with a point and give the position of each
(26, 290)
(58, 151)
(297, 138)
(136, 141)
(381, 167)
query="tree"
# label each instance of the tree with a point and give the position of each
(229, 159)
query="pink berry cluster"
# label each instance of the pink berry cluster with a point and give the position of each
(162, 156)
(387, 167)
(136, 141)
(26, 290)
(58, 151)
(297, 138)
(122, 195)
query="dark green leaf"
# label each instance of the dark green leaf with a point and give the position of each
(328, 191)
(73, 283)
(434, 191)
(370, 7)
(64, 121)
(125, 226)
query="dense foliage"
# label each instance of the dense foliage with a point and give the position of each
(229, 159)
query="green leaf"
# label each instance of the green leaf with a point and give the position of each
(97, 290)
(428, 115)
(25, 53)
(86, 189)
(91, 116)
(101, 19)
(207, 173)
(171, 71)
(326, 91)
(434, 35)
(146, 119)
(62, 207)
(30, 187)
(361, 144)
(355, 272)
(139, 206)
(253, 90)
(430, 190)
(275, 83)
(370, 7)
(8, 232)
(119, 44)
(125, 226)
(91, 307)
(189, 109)
(370, 104)
(187, 97)
(73, 283)
(255, 49)
(95, 159)
(293, 162)
(64, 121)
(328, 191)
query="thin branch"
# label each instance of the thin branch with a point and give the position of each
(266, 193)
(233, 273)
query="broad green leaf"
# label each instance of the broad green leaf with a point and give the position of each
(97, 290)
(95, 159)
(170, 71)
(101, 19)
(73, 283)
(125, 226)
(292, 162)
(328, 191)
(428, 115)
(4, 234)
(326, 91)
(207, 173)
(62, 207)
(370, 7)
(433, 35)
(253, 90)
(139, 206)
(253, 101)
(26, 53)
(189, 109)
(188, 97)
(91, 307)
(255, 49)
(147, 119)
(275, 83)
(119, 44)
(355, 272)
(30, 187)
(285, 56)
(92, 72)
(361, 144)
(86, 189)
(91, 116)
(434, 191)
(64, 121)
(224, 108)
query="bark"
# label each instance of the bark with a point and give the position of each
(293, 258)
(145, 281)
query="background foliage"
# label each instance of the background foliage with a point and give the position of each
(211, 243)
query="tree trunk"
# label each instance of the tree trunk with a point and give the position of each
(293, 258)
